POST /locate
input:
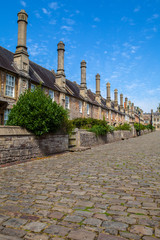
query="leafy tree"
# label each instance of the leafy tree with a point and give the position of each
(36, 112)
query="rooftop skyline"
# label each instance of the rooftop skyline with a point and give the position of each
(118, 39)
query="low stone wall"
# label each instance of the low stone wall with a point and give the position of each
(88, 139)
(17, 144)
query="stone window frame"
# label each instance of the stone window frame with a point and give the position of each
(32, 87)
(6, 113)
(67, 104)
(51, 94)
(87, 108)
(10, 86)
(80, 106)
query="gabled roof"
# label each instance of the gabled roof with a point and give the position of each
(6, 60)
(41, 75)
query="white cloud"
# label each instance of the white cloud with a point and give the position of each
(37, 50)
(154, 16)
(137, 9)
(105, 52)
(67, 28)
(77, 11)
(69, 21)
(53, 22)
(97, 19)
(45, 11)
(23, 3)
(37, 15)
(54, 5)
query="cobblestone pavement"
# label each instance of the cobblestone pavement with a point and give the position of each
(109, 192)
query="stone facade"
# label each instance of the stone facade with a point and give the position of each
(79, 101)
(17, 144)
(154, 119)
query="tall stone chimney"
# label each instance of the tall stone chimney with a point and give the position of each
(21, 57)
(61, 50)
(60, 76)
(108, 101)
(126, 105)
(83, 87)
(129, 104)
(121, 102)
(98, 92)
(132, 109)
(116, 99)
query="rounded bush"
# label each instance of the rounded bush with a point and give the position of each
(36, 112)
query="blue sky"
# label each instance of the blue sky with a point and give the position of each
(119, 39)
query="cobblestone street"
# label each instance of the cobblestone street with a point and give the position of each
(109, 192)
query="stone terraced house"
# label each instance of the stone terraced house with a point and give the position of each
(18, 73)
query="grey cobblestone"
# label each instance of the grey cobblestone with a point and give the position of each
(110, 192)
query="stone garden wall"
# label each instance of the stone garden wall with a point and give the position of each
(88, 139)
(17, 144)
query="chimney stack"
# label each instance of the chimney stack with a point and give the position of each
(129, 103)
(108, 101)
(98, 92)
(83, 74)
(121, 102)
(126, 105)
(60, 76)
(21, 59)
(132, 109)
(61, 50)
(98, 85)
(116, 99)
(83, 87)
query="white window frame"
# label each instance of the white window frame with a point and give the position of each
(107, 114)
(87, 108)
(51, 94)
(10, 86)
(67, 105)
(6, 113)
(80, 106)
(33, 86)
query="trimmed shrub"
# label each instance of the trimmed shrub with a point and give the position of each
(125, 126)
(36, 112)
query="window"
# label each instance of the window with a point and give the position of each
(107, 114)
(80, 106)
(6, 113)
(157, 119)
(66, 102)
(154, 119)
(111, 116)
(32, 86)
(87, 108)
(51, 94)
(10, 86)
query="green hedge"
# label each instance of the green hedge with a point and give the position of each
(125, 126)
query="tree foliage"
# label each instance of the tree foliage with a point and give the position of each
(36, 112)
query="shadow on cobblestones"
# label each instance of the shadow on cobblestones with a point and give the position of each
(109, 192)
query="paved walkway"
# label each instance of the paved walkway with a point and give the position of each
(109, 192)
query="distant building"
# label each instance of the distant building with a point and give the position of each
(155, 119)
(18, 73)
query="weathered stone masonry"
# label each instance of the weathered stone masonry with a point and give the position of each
(17, 144)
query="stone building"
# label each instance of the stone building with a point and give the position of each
(154, 118)
(18, 73)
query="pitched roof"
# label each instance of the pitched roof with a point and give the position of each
(41, 75)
